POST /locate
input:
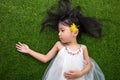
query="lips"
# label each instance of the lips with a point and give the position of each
(60, 38)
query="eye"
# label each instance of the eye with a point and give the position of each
(62, 30)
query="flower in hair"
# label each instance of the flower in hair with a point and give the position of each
(73, 27)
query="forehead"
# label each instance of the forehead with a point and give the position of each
(62, 25)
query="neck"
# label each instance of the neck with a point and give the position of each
(72, 43)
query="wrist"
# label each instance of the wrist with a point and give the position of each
(29, 51)
(80, 74)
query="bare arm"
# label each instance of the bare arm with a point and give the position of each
(88, 62)
(41, 57)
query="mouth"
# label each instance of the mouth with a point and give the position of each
(60, 38)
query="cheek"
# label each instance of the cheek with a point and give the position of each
(67, 35)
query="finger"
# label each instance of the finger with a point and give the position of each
(19, 50)
(24, 44)
(67, 75)
(71, 71)
(17, 45)
(20, 43)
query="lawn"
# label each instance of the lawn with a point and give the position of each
(20, 20)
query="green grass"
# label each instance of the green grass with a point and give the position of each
(20, 20)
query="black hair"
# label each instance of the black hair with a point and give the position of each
(62, 12)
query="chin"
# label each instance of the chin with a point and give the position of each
(64, 42)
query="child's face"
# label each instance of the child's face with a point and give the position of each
(65, 33)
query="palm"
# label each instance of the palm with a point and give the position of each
(22, 47)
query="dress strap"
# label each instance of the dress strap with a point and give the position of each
(80, 45)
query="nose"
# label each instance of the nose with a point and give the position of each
(59, 33)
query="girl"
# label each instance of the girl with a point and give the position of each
(71, 61)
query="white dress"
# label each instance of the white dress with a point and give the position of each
(65, 61)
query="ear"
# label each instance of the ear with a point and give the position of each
(76, 33)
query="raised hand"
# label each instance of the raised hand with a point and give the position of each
(22, 47)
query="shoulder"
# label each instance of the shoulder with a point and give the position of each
(59, 45)
(85, 50)
(84, 47)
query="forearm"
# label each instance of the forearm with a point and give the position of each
(38, 56)
(41, 57)
(85, 70)
(87, 60)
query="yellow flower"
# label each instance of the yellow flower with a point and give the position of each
(73, 27)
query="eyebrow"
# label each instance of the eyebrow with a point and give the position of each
(60, 28)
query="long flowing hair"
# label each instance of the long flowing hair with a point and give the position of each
(63, 12)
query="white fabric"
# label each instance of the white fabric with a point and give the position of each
(65, 62)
